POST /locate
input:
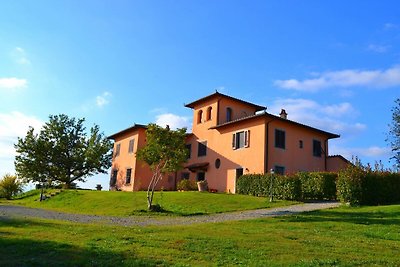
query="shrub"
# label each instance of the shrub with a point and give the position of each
(284, 187)
(318, 185)
(10, 186)
(186, 185)
(287, 187)
(349, 185)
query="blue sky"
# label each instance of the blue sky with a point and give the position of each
(334, 65)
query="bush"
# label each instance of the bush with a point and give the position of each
(287, 187)
(360, 185)
(10, 186)
(318, 185)
(187, 185)
(284, 187)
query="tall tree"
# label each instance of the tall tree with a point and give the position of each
(394, 133)
(164, 152)
(63, 152)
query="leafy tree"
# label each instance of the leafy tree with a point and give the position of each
(164, 152)
(394, 133)
(63, 152)
(10, 186)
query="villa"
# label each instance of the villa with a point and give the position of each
(230, 137)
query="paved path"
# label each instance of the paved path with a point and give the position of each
(8, 212)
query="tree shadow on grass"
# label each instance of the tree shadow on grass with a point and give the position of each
(25, 251)
(356, 217)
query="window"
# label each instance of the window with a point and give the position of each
(209, 109)
(113, 179)
(117, 150)
(279, 170)
(217, 163)
(128, 176)
(202, 149)
(228, 114)
(317, 148)
(300, 143)
(131, 145)
(280, 138)
(201, 176)
(185, 176)
(199, 116)
(241, 139)
(189, 148)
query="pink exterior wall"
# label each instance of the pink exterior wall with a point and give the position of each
(337, 163)
(141, 172)
(293, 158)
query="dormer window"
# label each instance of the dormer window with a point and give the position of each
(199, 116)
(209, 109)
(228, 114)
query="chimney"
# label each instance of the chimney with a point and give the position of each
(283, 114)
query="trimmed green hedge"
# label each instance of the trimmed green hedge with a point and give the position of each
(354, 185)
(362, 186)
(316, 185)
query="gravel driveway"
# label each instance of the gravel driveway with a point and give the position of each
(8, 212)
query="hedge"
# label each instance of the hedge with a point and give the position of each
(310, 186)
(358, 186)
(318, 185)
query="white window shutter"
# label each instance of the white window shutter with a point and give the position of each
(247, 138)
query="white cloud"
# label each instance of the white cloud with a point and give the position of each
(12, 83)
(103, 99)
(378, 48)
(333, 118)
(369, 152)
(388, 26)
(174, 121)
(345, 78)
(13, 125)
(20, 56)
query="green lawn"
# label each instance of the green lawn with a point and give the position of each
(366, 236)
(128, 203)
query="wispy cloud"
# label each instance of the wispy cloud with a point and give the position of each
(345, 78)
(337, 118)
(378, 48)
(12, 83)
(369, 152)
(13, 125)
(20, 56)
(174, 121)
(388, 26)
(103, 99)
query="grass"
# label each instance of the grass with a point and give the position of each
(128, 203)
(366, 236)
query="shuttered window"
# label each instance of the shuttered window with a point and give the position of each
(241, 139)
(280, 137)
(131, 145)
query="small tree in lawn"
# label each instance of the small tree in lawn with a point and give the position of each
(164, 152)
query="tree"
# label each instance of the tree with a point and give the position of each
(10, 186)
(394, 133)
(63, 152)
(164, 152)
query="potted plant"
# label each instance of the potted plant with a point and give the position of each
(202, 185)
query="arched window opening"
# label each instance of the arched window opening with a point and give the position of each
(199, 116)
(228, 114)
(209, 109)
